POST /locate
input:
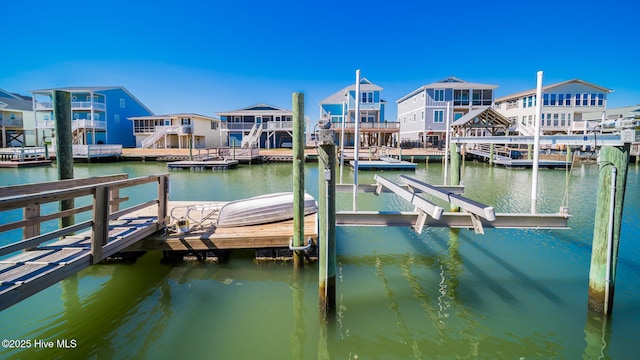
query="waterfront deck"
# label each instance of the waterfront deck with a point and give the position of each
(384, 164)
(203, 165)
(205, 235)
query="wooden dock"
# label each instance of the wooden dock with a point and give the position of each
(205, 235)
(384, 164)
(203, 165)
(41, 260)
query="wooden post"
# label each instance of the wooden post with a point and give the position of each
(491, 149)
(163, 199)
(529, 151)
(569, 155)
(327, 212)
(297, 100)
(455, 169)
(100, 231)
(64, 145)
(606, 233)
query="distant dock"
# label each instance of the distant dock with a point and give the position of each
(203, 165)
(384, 164)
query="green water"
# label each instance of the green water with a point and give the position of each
(443, 294)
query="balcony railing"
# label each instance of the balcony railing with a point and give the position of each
(11, 122)
(76, 123)
(368, 125)
(75, 105)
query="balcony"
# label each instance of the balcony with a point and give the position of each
(16, 123)
(76, 124)
(164, 130)
(369, 125)
(75, 105)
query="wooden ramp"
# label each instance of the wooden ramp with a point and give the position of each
(31, 271)
(40, 260)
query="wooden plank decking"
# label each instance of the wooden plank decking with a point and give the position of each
(206, 236)
(31, 271)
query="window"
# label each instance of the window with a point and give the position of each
(122, 103)
(578, 103)
(530, 101)
(414, 117)
(116, 118)
(367, 97)
(593, 99)
(422, 115)
(438, 116)
(214, 125)
(562, 119)
(555, 119)
(185, 121)
(569, 119)
(560, 99)
(548, 119)
(553, 100)
(438, 95)
(545, 99)
(585, 99)
(600, 99)
(12, 116)
(460, 97)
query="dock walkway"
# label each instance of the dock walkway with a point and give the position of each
(41, 260)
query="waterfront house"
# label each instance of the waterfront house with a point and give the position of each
(260, 125)
(423, 112)
(374, 129)
(98, 113)
(563, 106)
(16, 120)
(177, 131)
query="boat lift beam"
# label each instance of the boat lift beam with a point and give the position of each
(452, 220)
(423, 206)
(371, 188)
(475, 209)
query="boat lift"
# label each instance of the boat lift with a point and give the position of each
(473, 215)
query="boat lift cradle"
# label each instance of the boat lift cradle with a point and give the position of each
(476, 210)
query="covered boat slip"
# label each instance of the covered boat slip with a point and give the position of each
(206, 235)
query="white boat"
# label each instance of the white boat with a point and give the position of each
(262, 209)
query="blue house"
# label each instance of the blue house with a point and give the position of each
(98, 114)
(374, 129)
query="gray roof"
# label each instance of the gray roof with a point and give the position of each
(339, 97)
(451, 82)
(482, 118)
(16, 104)
(257, 109)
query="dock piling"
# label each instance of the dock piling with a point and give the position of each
(297, 100)
(606, 233)
(64, 145)
(327, 213)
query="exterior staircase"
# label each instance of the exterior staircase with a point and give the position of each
(251, 140)
(526, 130)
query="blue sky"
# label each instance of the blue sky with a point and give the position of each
(211, 56)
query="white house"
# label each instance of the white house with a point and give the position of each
(563, 106)
(178, 131)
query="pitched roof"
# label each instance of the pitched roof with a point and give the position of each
(549, 87)
(17, 104)
(257, 109)
(482, 118)
(451, 82)
(339, 97)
